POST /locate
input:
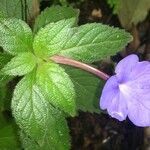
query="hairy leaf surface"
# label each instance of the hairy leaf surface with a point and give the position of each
(49, 40)
(16, 36)
(37, 117)
(54, 14)
(57, 85)
(20, 65)
(87, 43)
(92, 42)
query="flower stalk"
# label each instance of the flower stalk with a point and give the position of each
(77, 64)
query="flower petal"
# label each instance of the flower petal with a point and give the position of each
(138, 103)
(125, 66)
(139, 114)
(112, 100)
(141, 69)
(118, 108)
(110, 90)
(139, 90)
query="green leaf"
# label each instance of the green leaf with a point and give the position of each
(114, 4)
(54, 14)
(88, 88)
(16, 36)
(132, 12)
(4, 79)
(88, 43)
(11, 8)
(4, 59)
(2, 15)
(3, 121)
(57, 85)
(28, 143)
(37, 117)
(6, 96)
(20, 65)
(8, 135)
(49, 40)
(94, 41)
(8, 138)
(3, 93)
(16, 8)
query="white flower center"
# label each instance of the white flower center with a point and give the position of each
(124, 88)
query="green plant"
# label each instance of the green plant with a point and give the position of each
(48, 91)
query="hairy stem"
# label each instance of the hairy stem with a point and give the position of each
(77, 64)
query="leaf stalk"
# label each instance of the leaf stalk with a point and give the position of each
(77, 64)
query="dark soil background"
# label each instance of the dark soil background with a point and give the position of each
(99, 131)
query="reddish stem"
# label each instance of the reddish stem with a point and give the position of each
(77, 64)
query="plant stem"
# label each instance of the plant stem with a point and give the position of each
(77, 64)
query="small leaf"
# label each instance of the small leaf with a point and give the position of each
(114, 4)
(37, 117)
(94, 41)
(20, 65)
(56, 84)
(49, 40)
(88, 88)
(54, 14)
(16, 36)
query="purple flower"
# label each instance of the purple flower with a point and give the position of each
(128, 92)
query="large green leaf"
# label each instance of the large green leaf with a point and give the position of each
(54, 14)
(16, 36)
(56, 83)
(49, 40)
(20, 65)
(87, 43)
(94, 41)
(88, 88)
(37, 117)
